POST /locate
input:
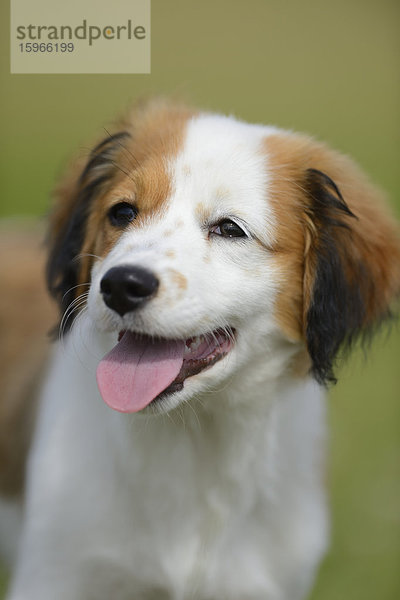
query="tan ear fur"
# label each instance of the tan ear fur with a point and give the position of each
(338, 245)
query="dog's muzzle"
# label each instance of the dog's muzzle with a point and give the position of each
(126, 288)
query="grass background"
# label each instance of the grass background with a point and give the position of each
(331, 69)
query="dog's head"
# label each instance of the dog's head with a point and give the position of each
(206, 244)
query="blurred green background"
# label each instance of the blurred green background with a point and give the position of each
(328, 68)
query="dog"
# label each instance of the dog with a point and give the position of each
(209, 274)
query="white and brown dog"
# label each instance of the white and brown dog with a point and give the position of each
(208, 272)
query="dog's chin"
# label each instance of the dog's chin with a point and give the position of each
(157, 374)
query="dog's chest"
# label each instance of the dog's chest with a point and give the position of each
(181, 518)
(183, 539)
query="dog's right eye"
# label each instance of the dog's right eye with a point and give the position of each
(122, 214)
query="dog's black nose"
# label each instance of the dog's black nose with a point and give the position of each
(126, 288)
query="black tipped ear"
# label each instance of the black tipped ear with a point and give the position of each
(353, 273)
(341, 283)
(343, 249)
(69, 220)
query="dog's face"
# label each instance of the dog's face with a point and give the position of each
(207, 243)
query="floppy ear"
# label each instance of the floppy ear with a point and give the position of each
(67, 270)
(336, 247)
(352, 259)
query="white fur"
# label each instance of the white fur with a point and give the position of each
(220, 494)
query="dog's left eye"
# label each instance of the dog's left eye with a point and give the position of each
(228, 229)
(122, 214)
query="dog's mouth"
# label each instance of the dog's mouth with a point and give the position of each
(140, 369)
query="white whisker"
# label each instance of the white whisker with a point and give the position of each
(74, 287)
(75, 306)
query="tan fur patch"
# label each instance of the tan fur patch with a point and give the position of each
(284, 194)
(157, 133)
(26, 315)
(179, 279)
(374, 240)
(201, 212)
(138, 172)
(222, 192)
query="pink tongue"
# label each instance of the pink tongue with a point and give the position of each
(136, 370)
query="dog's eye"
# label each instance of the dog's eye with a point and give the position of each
(228, 229)
(121, 214)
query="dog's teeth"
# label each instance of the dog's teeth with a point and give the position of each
(193, 344)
